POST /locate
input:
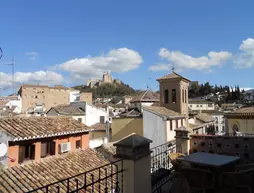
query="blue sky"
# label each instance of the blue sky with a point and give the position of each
(68, 42)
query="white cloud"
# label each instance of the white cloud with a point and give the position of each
(116, 60)
(160, 67)
(182, 61)
(41, 77)
(245, 59)
(32, 55)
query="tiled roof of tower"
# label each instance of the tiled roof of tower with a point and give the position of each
(173, 75)
(146, 96)
(68, 110)
(33, 175)
(163, 111)
(26, 128)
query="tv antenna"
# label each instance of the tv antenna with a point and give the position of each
(12, 64)
(1, 52)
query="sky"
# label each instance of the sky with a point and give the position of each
(70, 42)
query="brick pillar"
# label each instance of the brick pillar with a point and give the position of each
(135, 152)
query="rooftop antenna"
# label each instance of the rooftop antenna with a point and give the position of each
(12, 64)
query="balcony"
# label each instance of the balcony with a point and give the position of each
(137, 168)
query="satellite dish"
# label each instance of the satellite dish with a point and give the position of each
(3, 149)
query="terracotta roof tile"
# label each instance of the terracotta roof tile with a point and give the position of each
(204, 117)
(163, 111)
(23, 128)
(99, 127)
(68, 110)
(173, 75)
(50, 170)
(146, 96)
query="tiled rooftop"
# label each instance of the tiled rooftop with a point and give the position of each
(68, 110)
(163, 111)
(204, 117)
(242, 111)
(146, 96)
(99, 127)
(33, 175)
(39, 127)
(173, 75)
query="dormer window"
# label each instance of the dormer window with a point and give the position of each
(166, 96)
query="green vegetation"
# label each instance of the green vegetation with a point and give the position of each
(108, 90)
(230, 94)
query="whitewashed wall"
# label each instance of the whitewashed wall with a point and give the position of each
(154, 128)
(93, 143)
(93, 115)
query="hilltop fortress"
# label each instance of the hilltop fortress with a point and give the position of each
(106, 78)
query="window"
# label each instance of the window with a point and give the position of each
(47, 148)
(26, 152)
(197, 132)
(210, 105)
(200, 105)
(80, 120)
(197, 105)
(166, 96)
(235, 128)
(78, 144)
(173, 95)
(171, 125)
(185, 98)
(190, 105)
(102, 119)
(36, 96)
(183, 95)
(217, 129)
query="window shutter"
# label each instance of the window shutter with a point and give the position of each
(52, 148)
(32, 152)
(21, 154)
(44, 149)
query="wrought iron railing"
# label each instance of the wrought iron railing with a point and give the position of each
(161, 166)
(104, 179)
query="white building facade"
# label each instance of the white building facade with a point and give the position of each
(200, 105)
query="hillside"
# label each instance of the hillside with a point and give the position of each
(108, 90)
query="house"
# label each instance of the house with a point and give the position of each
(124, 126)
(219, 120)
(99, 134)
(202, 123)
(93, 114)
(160, 122)
(146, 98)
(127, 99)
(200, 105)
(33, 138)
(51, 170)
(76, 113)
(49, 96)
(240, 120)
(12, 101)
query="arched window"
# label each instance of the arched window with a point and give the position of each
(173, 95)
(235, 128)
(166, 96)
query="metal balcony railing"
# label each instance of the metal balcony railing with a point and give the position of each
(104, 179)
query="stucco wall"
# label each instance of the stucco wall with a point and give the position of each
(121, 127)
(13, 150)
(4, 138)
(244, 125)
(154, 128)
(93, 115)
